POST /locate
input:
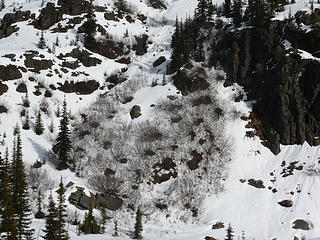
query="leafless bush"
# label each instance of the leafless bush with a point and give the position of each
(169, 106)
(106, 184)
(151, 131)
(38, 179)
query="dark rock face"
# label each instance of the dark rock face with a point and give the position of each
(141, 46)
(6, 28)
(9, 72)
(158, 4)
(48, 17)
(189, 82)
(83, 88)
(110, 202)
(36, 65)
(218, 225)
(287, 88)
(159, 61)
(74, 7)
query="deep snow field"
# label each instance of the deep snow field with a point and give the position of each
(253, 210)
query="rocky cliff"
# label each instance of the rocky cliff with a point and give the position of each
(271, 65)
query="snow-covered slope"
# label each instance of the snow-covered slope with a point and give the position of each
(255, 211)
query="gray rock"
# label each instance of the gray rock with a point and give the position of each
(74, 7)
(110, 202)
(256, 183)
(135, 112)
(9, 72)
(48, 17)
(218, 225)
(159, 61)
(301, 224)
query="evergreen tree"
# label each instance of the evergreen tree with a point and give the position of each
(90, 225)
(9, 225)
(20, 194)
(39, 125)
(116, 233)
(229, 233)
(227, 8)
(237, 13)
(26, 124)
(90, 28)
(51, 225)
(63, 141)
(42, 41)
(62, 233)
(103, 220)
(202, 11)
(138, 225)
(39, 214)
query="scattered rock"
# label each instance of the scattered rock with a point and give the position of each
(301, 224)
(218, 225)
(141, 47)
(3, 88)
(3, 109)
(256, 183)
(83, 56)
(6, 28)
(159, 61)
(286, 203)
(9, 72)
(36, 65)
(82, 88)
(135, 112)
(22, 88)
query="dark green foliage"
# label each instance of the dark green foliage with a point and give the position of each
(20, 193)
(61, 213)
(39, 125)
(138, 225)
(90, 225)
(227, 8)
(39, 214)
(26, 125)
(51, 226)
(42, 41)
(90, 28)
(229, 235)
(237, 13)
(63, 141)
(9, 225)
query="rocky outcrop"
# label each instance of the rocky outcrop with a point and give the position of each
(3, 88)
(285, 86)
(82, 87)
(159, 61)
(74, 7)
(190, 82)
(83, 56)
(6, 28)
(9, 72)
(301, 224)
(49, 16)
(99, 201)
(36, 65)
(141, 46)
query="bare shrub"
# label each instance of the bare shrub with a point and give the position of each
(38, 179)
(151, 131)
(108, 185)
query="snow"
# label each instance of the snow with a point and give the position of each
(254, 211)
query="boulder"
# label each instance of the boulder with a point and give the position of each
(9, 72)
(189, 82)
(141, 46)
(218, 225)
(3, 88)
(22, 88)
(256, 183)
(135, 112)
(83, 56)
(82, 88)
(48, 17)
(109, 202)
(285, 203)
(159, 61)
(301, 224)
